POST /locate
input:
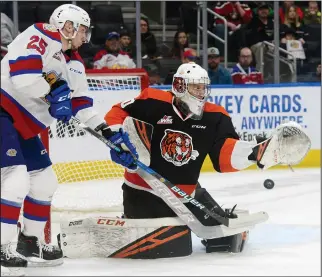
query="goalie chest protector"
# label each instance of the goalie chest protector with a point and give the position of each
(178, 146)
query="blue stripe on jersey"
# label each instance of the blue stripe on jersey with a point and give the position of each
(25, 71)
(39, 202)
(10, 203)
(8, 221)
(29, 57)
(36, 218)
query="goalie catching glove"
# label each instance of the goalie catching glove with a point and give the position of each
(122, 141)
(288, 145)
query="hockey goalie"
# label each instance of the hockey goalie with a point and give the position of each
(173, 133)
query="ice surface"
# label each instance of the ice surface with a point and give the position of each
(287, 244)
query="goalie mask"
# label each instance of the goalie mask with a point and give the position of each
(73, 13)
(190, 86)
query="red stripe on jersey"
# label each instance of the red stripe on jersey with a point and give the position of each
(136, 180)
(25, 123)
(74, 57)
(10, 212)
(225, 155)
(48, 30)
(80, 103)
(29, 64)
(35, 209)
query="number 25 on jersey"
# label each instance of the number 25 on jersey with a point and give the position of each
(38, 44)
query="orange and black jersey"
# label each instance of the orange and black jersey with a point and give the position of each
(179, 146)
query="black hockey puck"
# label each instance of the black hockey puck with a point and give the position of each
(269, 184)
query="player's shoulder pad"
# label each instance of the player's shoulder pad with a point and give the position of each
(157, 94)
(214, 108)
(48, 30)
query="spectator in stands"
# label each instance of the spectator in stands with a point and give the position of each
(112, 57)
(291, 44)
(180, 42)
(260, 3)
(285, 7)
(8, 32)
(149, 44)
(126, 43)
(261, 28)
(292, 20)
(217, 73)
(154, 74)
(237, 16)
(318, 71)
(189, 55)
(312, 15)
(243, 72)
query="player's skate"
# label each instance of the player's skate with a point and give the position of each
(12, 263)
(37, 252)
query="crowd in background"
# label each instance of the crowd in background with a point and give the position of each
(249, 24)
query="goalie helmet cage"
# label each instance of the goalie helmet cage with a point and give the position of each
(68, 147)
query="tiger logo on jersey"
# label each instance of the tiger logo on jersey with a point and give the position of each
(177, 148)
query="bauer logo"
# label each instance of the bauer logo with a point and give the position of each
(11, 152)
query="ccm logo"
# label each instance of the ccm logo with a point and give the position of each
(111, 222)
(198, 126)
(64, 98)
(75, 70)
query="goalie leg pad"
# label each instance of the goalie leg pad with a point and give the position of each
(125, 238)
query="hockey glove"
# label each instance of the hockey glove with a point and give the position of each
(121, 140)
(288, 145)
(59, 99)
(259, 150)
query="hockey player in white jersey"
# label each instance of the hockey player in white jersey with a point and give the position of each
(42, 79)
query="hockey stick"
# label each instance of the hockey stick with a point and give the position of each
(165, 190)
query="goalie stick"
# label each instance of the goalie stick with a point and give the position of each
(165, 189)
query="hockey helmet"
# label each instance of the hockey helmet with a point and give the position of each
(73, 13)
(191, 86)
